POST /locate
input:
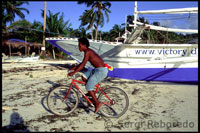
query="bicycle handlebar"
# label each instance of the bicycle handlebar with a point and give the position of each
(74, 76)
(70, 76)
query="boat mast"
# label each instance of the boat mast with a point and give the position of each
(135, 15)
(166, 11)
(135, 20)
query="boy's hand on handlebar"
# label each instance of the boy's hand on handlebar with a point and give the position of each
(70, 74)
(73, 68)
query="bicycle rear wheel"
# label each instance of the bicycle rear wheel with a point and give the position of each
(57, 104)
(119, 105)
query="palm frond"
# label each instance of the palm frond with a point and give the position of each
(107, 4)
(87, 3)
(107, 16)
(93, 16)
(19, 13)
(24, 9)
(19, 3)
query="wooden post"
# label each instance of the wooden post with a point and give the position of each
(10, 50)
(28, 50)
(54, 57)
(44, 25)
(25, 50)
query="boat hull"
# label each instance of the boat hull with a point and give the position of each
(178, 75)
(156, 62)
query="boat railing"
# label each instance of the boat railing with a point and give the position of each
(90, 40)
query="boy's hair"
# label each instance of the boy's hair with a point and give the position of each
(84, 41)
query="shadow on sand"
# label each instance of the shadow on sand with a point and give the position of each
(16, 124)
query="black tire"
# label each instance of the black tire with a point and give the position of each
(56, 104)
(120, 99)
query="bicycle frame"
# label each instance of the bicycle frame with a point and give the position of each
(74, 81)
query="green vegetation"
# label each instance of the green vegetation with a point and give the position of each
(95, 17)
(10, 9)
(56, 26)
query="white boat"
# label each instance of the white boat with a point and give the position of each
(21, 59)
(149, 62)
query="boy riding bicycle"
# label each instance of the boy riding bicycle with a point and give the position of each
(94, 76)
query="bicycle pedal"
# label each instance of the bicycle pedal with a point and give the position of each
(90, 105)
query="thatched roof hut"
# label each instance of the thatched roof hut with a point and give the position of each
(19, 44)
(36, 45)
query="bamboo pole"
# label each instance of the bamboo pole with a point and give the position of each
(170, 11)
(165, 29)
(44, 26)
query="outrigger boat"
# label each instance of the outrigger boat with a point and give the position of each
(148, 62)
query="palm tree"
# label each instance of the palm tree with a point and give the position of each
(20, 23)
(6, 18)
(130, 19)
(96, 16)
(56, 25)
(116, 31)
(12, 8)
(106, 36)
(36, 33)
(88, 18)
(80, 32)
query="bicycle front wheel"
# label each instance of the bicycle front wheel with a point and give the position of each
(60, 106)
(117, 103)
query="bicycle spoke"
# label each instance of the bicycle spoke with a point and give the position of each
(110, 110)
(117, 103)
(60, 106)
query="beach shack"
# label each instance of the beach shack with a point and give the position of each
(17, 47)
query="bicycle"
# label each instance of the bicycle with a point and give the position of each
(62, 100)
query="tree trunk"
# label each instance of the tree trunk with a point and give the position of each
(25, 50)
(54, 53)
(10, 50)
(92, 33)
(28, 50)
(96, 32)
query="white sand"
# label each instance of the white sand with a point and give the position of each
(155, 106)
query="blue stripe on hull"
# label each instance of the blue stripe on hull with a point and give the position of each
(185, 75)
(53, 42)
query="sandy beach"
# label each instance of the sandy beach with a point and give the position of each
(153, 106)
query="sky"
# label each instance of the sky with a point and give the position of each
(119, 11)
